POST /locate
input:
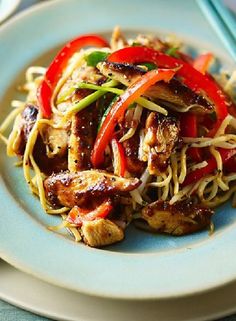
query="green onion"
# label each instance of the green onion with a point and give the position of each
(132, 106)
(88, 100)
(135, 44)
(106, 112)
(172, 52)
(66, 95)
(95, 57)
(116, 91)
(141, 101)
(83, 103)
(149, 65)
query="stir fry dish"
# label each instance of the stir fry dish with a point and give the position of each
(127, 131)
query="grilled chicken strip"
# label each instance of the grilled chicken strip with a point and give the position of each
(162, 134)
(101, 232)
(181, 218)
(23, 125)
(71, 189)
(174, 94)
(83, 134)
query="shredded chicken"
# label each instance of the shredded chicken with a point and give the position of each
(118, 40)
(162, 134)
(56, 141)
(83, 131)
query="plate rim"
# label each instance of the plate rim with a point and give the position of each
(38, 308)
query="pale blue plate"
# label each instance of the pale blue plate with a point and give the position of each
(144, 265)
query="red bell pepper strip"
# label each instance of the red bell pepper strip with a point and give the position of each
(230, 165)
(117, 111)
(197, 174)
(44, 94)
(188, 127)
(119, 157)
(190, 76)
(79, 215)
(202, 62)
(59, 63)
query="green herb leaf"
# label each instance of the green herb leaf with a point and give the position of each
(149, 65)
(106, 112)
(133, 105)
(136, 44)
(141, 100)
(95, 57)
(172, 52)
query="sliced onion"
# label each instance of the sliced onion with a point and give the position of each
(137, 198)
(136, 118)
(141, 154)
(144, 179)
(116, 158)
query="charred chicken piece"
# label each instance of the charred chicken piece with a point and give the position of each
(83, 133)
(162, 134)
(71, 189)
(174, 94)
(101, 232)
(125, 73)
(181, 218)
(23, 125)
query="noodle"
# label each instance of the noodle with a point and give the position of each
(136, 118)
(181, 194)
(183, 164)
(28, 152)
(174, 165)
(218, 200)
(4, 139)
(39, 183)
(225, 123)
(202, 187)
(10, 118)
(218, 158)
(197, 166)
(165, 181)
